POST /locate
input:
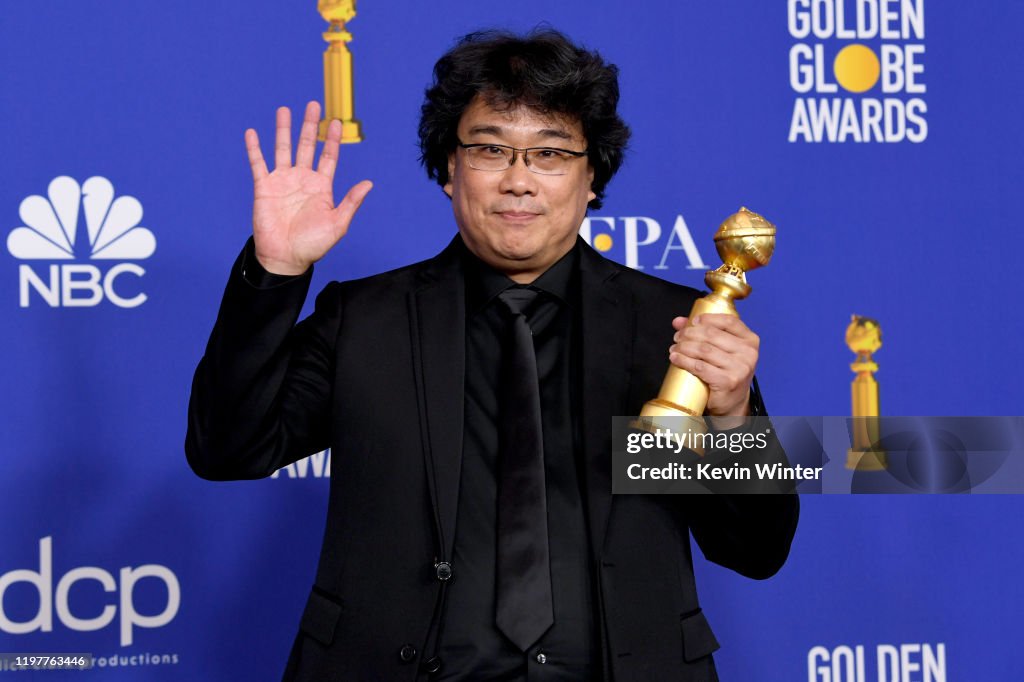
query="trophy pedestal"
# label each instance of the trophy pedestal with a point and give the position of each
(666, 416)
(350, 131)
(867, 460)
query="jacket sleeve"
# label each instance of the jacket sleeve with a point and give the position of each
(748, 533)
(261, 393)
(751, 534)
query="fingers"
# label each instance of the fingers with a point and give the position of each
(307, 136)
(283, 141)
(712, 363)
(707, 338)
(723, 329)
(719, 349)
(729, 386)
(348, 206)
(329, 155)
(256, 162)
(307, 143)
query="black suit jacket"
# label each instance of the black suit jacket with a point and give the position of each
(376, 373)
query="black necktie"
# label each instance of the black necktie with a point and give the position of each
(524, 609)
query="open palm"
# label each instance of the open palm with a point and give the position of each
(295, 220)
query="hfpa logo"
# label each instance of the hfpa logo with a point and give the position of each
(50, 233)
(642, 234)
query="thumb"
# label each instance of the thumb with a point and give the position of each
(348, 206)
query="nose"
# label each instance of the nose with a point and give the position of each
(517, 179)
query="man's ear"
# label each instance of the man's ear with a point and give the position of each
(590, 177)
(451, 172)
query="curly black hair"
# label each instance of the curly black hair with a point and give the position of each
(542, 70)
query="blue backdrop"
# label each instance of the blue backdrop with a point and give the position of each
(898, 203)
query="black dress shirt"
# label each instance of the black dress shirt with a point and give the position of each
(471, 646)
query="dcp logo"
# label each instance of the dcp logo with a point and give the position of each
(58, 599)
(50, 233)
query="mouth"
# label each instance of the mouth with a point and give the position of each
(518, 216)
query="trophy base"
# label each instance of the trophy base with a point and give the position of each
(867, 460)
(662, 415)
(350, 131)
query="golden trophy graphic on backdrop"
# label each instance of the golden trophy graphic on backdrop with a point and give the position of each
(744, 241)
(338, 98)
(864, 337)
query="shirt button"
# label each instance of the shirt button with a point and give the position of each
(432, 665)
(443, 571)
(542, 658)
(407, 653)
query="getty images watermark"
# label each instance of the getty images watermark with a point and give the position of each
(778, 455)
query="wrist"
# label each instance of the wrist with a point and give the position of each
(739, 409)
(276, 266)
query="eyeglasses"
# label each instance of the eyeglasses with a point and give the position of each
(499, 157)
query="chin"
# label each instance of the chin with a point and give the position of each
(515, 250)
(514, 260)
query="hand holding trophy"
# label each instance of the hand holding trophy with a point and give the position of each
(744, 241)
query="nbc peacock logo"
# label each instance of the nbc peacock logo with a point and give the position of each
(51, 232)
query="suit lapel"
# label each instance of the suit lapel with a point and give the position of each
(607, 338)
(438, 330)
(438, 342)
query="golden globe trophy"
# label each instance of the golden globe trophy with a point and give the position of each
(864, 337)
(338, 98)
(744, 241)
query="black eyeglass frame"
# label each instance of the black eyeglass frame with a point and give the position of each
(515, 153)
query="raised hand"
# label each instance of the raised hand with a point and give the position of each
(294, 219)
(722, 352)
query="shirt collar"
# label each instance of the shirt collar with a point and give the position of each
(483, 282)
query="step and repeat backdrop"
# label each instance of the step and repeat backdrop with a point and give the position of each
(882, 137)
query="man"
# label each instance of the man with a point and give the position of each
(471, 531)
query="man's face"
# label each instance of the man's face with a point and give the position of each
(517, 221)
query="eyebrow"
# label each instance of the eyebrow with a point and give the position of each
(497, 131)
